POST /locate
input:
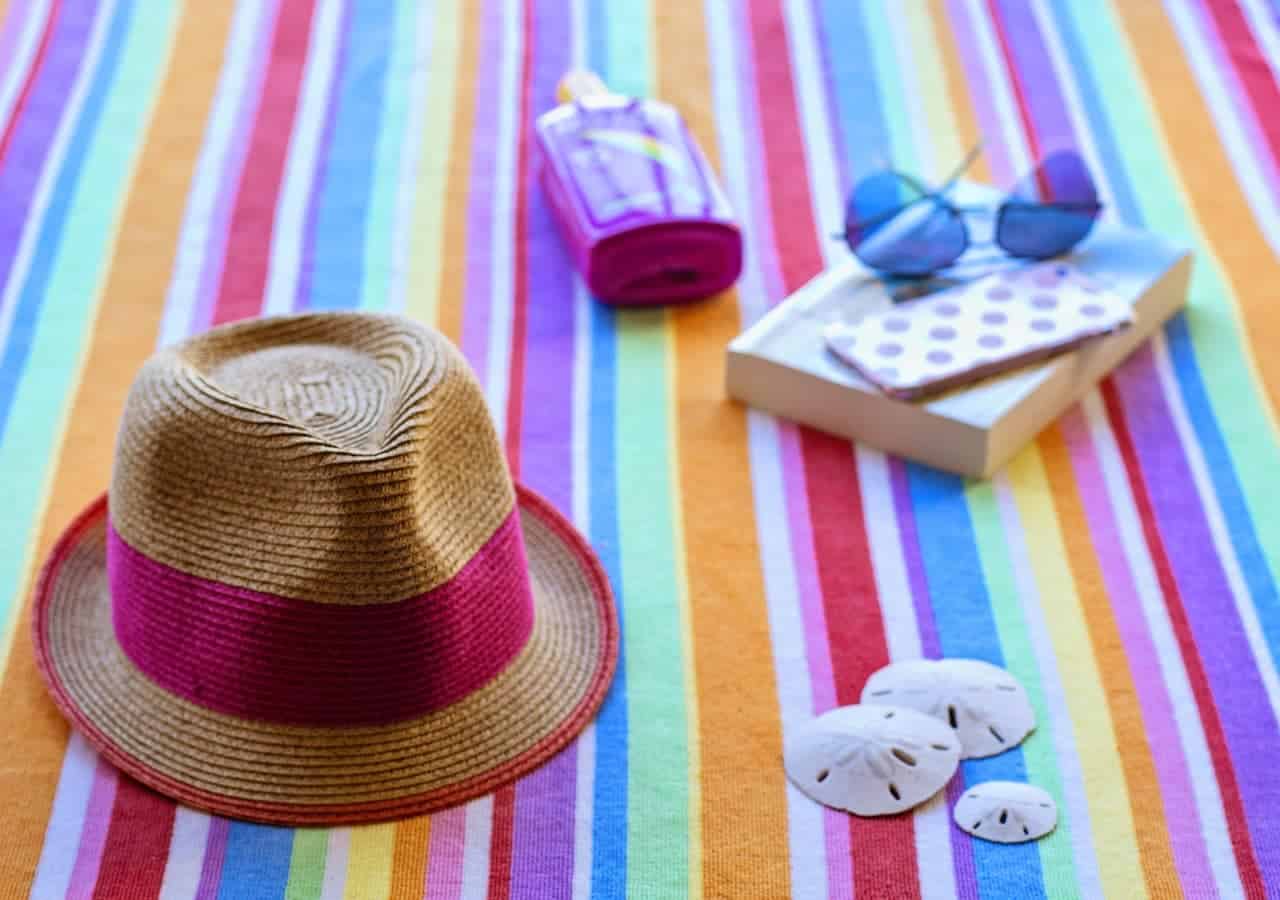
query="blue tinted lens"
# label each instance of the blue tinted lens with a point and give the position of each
(1050, 210)
(892, 227)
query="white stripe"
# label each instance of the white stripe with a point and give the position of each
(66, 820)
(805, 819)
(581, 434)
(336, 852)
(206, 186)
(1204, 782)
(992, 61)
(409, 158)
(825, 189)
(584, 807)
(505, 229)
(17, 68)
(475, 849)
(932, 822)
(1244, 152)
(1054, 691)
(289, 233)
(52, 168)
(186, 854)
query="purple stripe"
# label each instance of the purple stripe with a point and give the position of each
(302, 285)
(215, 851)
(478, 286)
(1181, 814)
(543, 836)
(1041, 92)
(36, 126)
(981, 91)
(1240, 698)
(15, 23)
(93, 834)
(232, 169)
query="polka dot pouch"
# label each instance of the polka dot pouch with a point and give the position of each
(991, 325)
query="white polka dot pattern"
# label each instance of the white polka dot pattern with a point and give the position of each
(989, 325)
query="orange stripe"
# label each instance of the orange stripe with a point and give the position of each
(744, 814)
(957, 86)
(1251, 268)
(409, 858)
(123, 335)
(453, 272)
(1145, 799)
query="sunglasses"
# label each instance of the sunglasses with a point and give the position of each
(899, 226)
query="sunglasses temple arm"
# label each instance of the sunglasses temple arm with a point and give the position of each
(974, 152)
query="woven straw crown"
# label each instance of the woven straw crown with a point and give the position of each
(312, 532)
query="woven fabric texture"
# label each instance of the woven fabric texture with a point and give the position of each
(169, 164)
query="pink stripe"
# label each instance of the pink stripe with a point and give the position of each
(1185, 829)
(93, 836)
(445, 854)
(817, 648)
(214, 253)
(1242, 112)
(215, 851)
(256, 655)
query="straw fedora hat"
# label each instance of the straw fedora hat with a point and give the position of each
(313, 594)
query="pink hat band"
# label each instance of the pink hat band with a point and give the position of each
(277, 659)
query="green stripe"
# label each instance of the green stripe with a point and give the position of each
(658, 758)
(380, 242)
(1041, 761)
(1056, 857)
(46, 391)
(306, 865)
(1237, 399)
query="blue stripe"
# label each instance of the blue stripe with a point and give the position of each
(333, 270)
(49, 245)
(862, 133)
(256, 864)
(1195, 396)
(966, 628)
(609, 805)
(1103, 138)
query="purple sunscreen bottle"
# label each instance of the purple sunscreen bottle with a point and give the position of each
(637, 201)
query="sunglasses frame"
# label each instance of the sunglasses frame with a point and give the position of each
(938, 197)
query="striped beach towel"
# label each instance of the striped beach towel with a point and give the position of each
(166, 165)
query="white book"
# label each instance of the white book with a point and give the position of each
(781, 364)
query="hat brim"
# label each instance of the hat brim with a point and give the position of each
(293, 775)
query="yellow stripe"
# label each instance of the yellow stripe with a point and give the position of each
(1107, 792)
(434, 181)
(369, 861)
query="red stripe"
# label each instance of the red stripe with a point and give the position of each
(249, 244)
(884, 860)
(1233, 805)
(137, 847)
(36, 62)
(519, 314)
(1250, 65)
(500, 843)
